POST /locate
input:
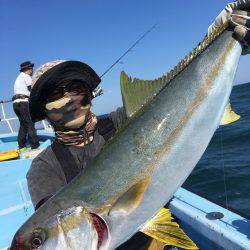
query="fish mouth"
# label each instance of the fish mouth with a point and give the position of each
(17, 243)
(36, 239)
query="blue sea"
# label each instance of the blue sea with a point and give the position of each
(223, 173)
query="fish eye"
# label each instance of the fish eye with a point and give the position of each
(37, 238)
(36, 242)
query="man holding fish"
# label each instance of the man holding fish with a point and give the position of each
(111, 188)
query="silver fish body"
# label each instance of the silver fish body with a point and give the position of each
(167, 140)
(160, 146)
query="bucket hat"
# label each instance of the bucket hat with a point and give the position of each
(53, 74)
(26, 65)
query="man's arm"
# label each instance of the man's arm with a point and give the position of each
(237, 13)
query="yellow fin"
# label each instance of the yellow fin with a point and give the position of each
(155, 245)
(163, 229)
(229, 116)
(130, 199)
(136, 93)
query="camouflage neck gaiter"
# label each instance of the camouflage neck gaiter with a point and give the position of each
(74, 124)
(82, 136)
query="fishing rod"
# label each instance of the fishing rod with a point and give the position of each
(98, 91)
(128, 50)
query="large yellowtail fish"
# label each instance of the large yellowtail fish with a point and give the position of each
(171, 121)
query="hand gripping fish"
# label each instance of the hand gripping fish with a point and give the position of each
(171, 121)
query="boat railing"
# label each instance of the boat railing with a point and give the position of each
(5, 118)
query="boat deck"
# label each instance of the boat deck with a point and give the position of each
(208, 225)
(15, 205)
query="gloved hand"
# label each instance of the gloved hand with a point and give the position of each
(238, 15)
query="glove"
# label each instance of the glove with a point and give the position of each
(239, 20)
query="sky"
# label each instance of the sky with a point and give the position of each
(97, 32)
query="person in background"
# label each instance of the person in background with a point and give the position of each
(22, 88)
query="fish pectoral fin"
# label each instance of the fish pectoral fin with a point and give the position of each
(229, 116)
(136, 92)
(126, 203)
(162, 228)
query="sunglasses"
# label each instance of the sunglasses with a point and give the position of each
(72, 89)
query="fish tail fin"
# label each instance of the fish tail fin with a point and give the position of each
(229, 115)
(161, 228)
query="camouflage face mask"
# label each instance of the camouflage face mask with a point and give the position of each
(67, 113)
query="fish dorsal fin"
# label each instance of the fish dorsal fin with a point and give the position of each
(229, 115)
(126, 203)
(161, 228)
(136, 93)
